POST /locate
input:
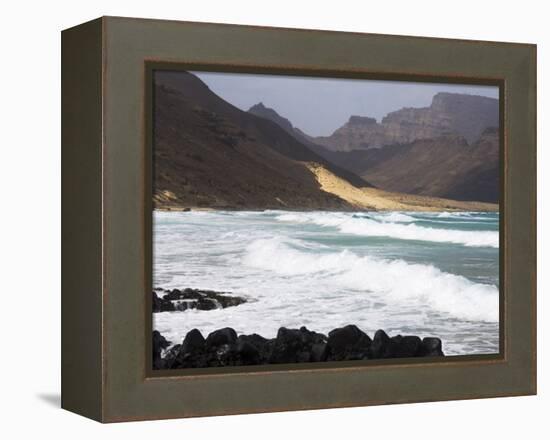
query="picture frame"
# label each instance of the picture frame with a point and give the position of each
(107, 222)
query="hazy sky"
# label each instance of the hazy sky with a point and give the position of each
(318, 106)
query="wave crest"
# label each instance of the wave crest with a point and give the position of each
(395, 281)
(367, 226)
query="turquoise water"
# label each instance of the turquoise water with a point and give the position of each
(429, 274)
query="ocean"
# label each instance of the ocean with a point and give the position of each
(425, 274)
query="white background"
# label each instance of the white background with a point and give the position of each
(30, 220)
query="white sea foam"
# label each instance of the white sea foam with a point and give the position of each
(372, 228)
(393, 280)
(446, 214)
(297, 272)
(394, 217)
(462, 215)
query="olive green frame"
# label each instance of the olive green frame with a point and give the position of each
(106, 220)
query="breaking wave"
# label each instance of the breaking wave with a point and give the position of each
(372, 226)
(393, 281)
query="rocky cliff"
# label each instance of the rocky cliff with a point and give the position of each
(449, 113)
(440, 163)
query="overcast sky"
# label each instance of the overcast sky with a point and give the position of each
(318, 106)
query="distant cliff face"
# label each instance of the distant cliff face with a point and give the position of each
(449, 113)
(449, 149)
(445, 166)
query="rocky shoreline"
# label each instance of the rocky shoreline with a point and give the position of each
(181, 300)
(224, 347)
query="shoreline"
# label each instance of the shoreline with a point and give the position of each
(190, 208)
(223, 347)
(355, 199)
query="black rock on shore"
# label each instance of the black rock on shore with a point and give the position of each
(175, 299)
(224, 348)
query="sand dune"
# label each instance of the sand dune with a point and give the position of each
(376, 199)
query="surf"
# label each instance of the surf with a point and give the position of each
(371, 227)
(394, 281)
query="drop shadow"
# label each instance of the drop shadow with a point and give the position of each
(52, 399)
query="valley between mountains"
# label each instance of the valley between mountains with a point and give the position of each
(209, 154)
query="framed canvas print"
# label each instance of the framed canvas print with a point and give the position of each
(262, 219)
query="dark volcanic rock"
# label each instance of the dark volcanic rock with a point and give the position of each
(296, 346)
(384, 347)
(190, 354)
(193, 341)
(159, 344)
(221, 337)
(171, 355)
(431, 347)
(224, 348)
(347, 343)
(162, 305)
(185, 299)
(223, 355)
(380, 347)
(262, 345)
(248, 353)
(405, 346)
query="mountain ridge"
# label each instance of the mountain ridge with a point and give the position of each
(449, 113)
(446, 165)
(209, 153)
(265, 112)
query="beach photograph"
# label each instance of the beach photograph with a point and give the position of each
(301, 219)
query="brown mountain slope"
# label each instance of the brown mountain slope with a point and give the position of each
(449, 113)
(268, 113)
(442, 167)
(193, 90)
(208, 153)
